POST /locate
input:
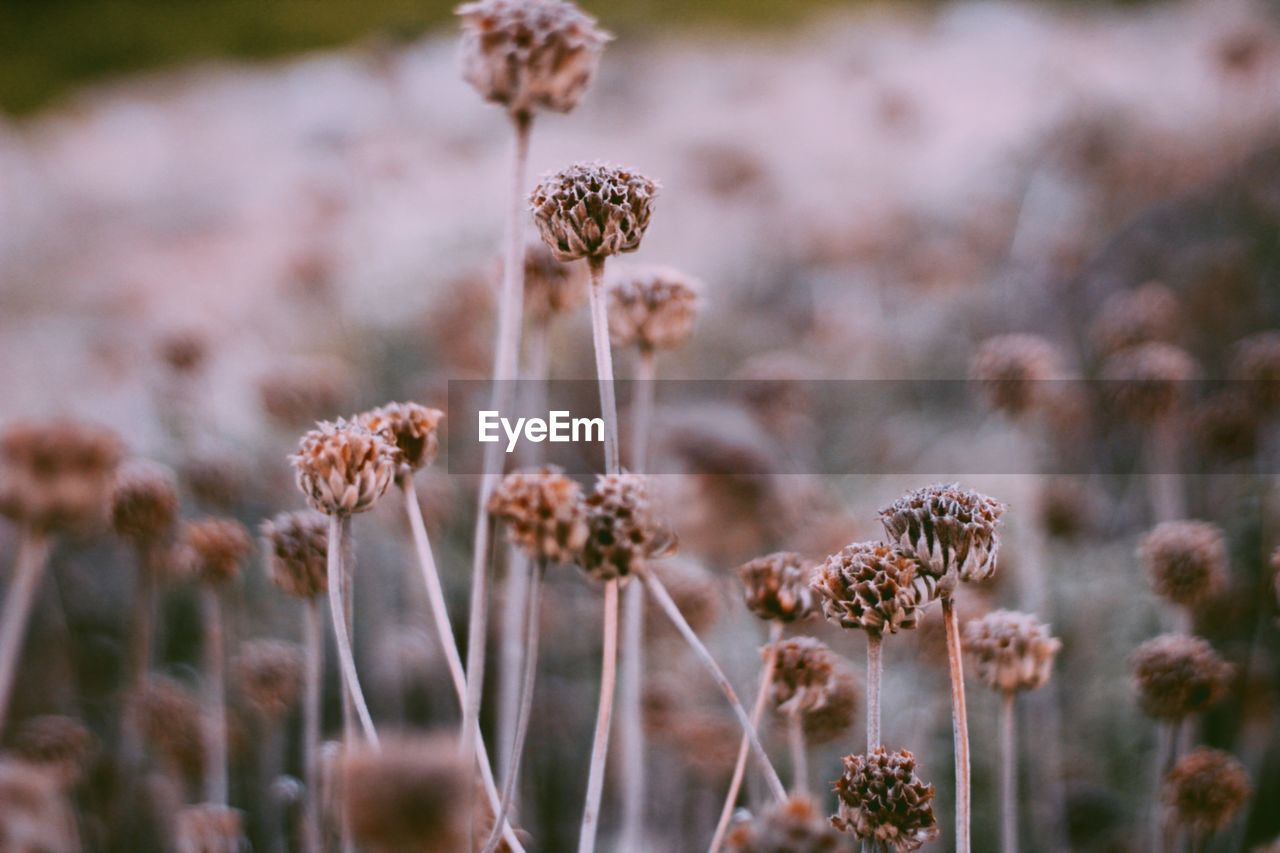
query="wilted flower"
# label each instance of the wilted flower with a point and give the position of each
(882, 799)
(777, 586)
(209, 828)
(623, 527)
(144, 503)
(1010, 369)
(1206, 789)
(57, 475)
(343, 468)
(949, 528)
(544, 513)
(592, 210)
(411, 428)
(793, 826)
(61, 745)
(551, 287)
(214, 548)
(1010, 650)
(1186, 560)
(1145, 314)
(411, 795)
(804, 674)
(874, 587)
(652, 307)
(297, 552)
(269, 676)
(1147, 382)
(1178, 675)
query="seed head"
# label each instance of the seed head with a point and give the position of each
(209, 828)
(62, 745)
(652, 308)
(1186, 560)
(1065, 508)
(57, 475)
(874, 587)
(343, 468)
(1145, 314)
(1206, 789)
(144, 504)
(218, 481)
(269, 675)
(171, 720)
(592, 210)
(694, 590)
(803, 675)
(830, 719)
(34, 812)
(792, 826)
(297, 552)
(410, 428)
(544, 513)
(1225, 425)
(777, 586)
(183, 351)
(949, 528)
(1177, 676)
(1010, 650)
(551, 288)
(623, 528)
(1148, 381)
(214, 548)
(1011, 368)
(882, 799)
(300, 393)
(530, 54)
(1256, 361)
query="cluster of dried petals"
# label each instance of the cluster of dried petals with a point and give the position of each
(803, 675)
(551, 287)
(1149, 381)
(297, 552)
(343, 468)
(878, 588)
(530, 55)
(295, 394)
(411, 795)
(882, 800)
(1186, 560)
(832, 718)
(214, 548)
(592, 210)
(951, 530)
(1178, 675)
(623, 528)
(776, 586)
(795, 825)
(1206, 790)
(1145, 314)
(652, 307)
(411, 428)
(209, 828)
(144, 503)
(35, 814)
(1256, 362)
(57, 475)
(1012, 369)
(62, 745)
(268, 674)
(171, 720)
(544, 513)
(1010, 650)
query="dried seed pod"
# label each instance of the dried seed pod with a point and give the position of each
(1177, 675)
(793, 826)
(592, 210)
(410, 428)
(1011, 368)
(209, 828)
(1149, 381)
(411, 795)
(1066, 508)
(1186, 560)
(831, 718)
(297, 552)
(1146, 314)
(34, 812)
(652, 307)
(882, 799)
(803, 676)
(949, 528)
(171, 721)
(530, 55)
(144, 502)
(878, 588)
(62, 745)
(269, 676)
(551, 288)
(343, 468)
(777, 586)
(213, 549)
(1010, 650)
(57, 475)
(623, 527)
(305, 391)
(1206, 789)
(1256, 362)
(544, 513)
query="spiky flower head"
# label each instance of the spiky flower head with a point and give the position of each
(1186, 560)
(776, 586)
(60, 744)
(410, 428)
(544, 513)
(551, 287)
(952, 530)
(297, 552)
(795, 825)
(269, 676)
(1206, 789)
(343, 468)
(878, 588)
(1011, 370)
(882, 799)
(530, 54)
(1256, 362)
(409, 796)
(623, 527)
(1144, 314)
(57, 475)
(1177, 675)
(1010, 650)
(804, 674)
(214, 548)
(209, 828)
(144, 503)
(1149, 381)
(592, 210)
(652, 307)
(830, 719)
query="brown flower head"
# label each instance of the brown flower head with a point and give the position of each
(1177, 676)
(214, 548)
(592, 210)
(793, 826)
(1225, 425)
(209, 828)
(411, 428)
(1010, 650)
(623, 528)
(34, 812)
(652, 307)
(551, 287)
(544, 513)
(409, 796)
(530, 54)
(343, 468)
(803, 675)
(874, 587)
(1066, 508)
(1256, 362)
(1206, 789)
(1186, 560)
(60, 744)
(1012, 368)
(305, 391)
(297, 552)
(171, 720)
(57, 475)
(949, 528)
(831, 718)
(1149, 381)
(269, 676)
(882, 799)
(144, 504)
(695, 591)
(1144, 314)
(183, 351)
(777, 586)
(217, 480)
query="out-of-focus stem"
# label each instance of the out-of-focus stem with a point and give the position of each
(1008, 775)
(313, 649)
(604, 365)
(33, 555)
(339, 530)
(799, 753)
(215, 708)
(959, 723)
(1168, 500)
(604, 716)
(875, 675)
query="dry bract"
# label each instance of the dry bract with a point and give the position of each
(209, 828)
(777, 586)
(652, 307)
(544, 513)
(1206, 789)
(1010, 650)
(408, 796)
(57, 475)
(793, 826)
(269, 676)
(296, 545)
(623, 527)
(875, 587)
(1178, 675)
(1012, 368)
(214, 548)
(950, 529)
(343, 468)
(882, 799)
(144, 503)
(1186, 560)
(411, 428)
(804, 674)
(592, 210)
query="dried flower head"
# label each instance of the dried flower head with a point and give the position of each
(882, 799)
(1146, 314)
(411, 428)
(1012, 368)
(297, 552)
(34, 812)
(144, 504)
(1010, 650)
(296, 394)
(623, 527)
(1206, 789)
(343, 468)
(1178, 675)
(949, 528)
(777, 586)
(1186, 560)
(544, 513)
(217, 480)
(592, 210)
(793, 826)
(171, 720)
(209, 828)
(530, 54)
(1065, 507)
(874, 587)
(831, 718)
(551, 287)
(694, 590)
(62, 745)
(183, 351)
(652, 307)
(214, 548)
(1256, 362)
(1149, 381)
(803, 676)
(1225, 425)
(409, 796)
(269, 676)
(57, 475)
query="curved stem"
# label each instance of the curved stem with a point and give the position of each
(604, 365)
(799, 753)
(875, 675)
(604, 716)
(1008, 775)
(339, 531)
(313, 675)
(959, 723)
(33, 555)
(215, 724)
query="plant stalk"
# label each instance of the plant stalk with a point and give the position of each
(313, 675)
(215, 723)
(875, 675)
(1008, 775)
(604, 716)
(799, 753)
(339, 531)
(959, 723)
(604, 366)
(33, 556)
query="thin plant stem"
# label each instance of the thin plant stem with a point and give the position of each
(33, 556)
(143, 617)
(604, 365)
(744, 748)
(799, 753)
(339, 531)
(313, 674)
(959, 723)
(663, 598)
(215, 723)
(1168, 500)
(642, 409)
(1163, 836)
(875, 675)
(604, 716)
(1008, 775)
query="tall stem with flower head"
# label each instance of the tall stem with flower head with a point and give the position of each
(339, 531)
(312, 678)
(959, 722)
(215, 765)
(33, 556)
(1008, 775)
